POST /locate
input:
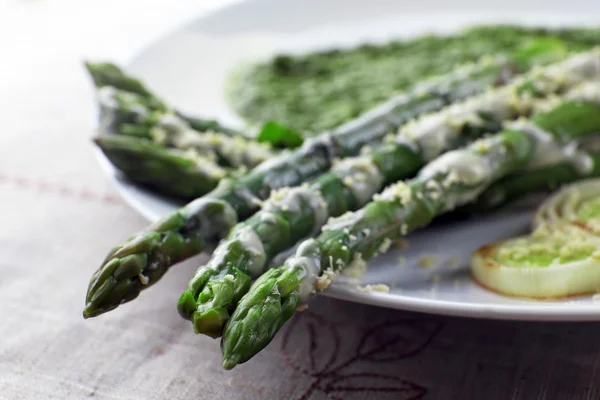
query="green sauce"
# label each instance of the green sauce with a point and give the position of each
(319, 91)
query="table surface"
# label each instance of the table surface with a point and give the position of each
(59, 216)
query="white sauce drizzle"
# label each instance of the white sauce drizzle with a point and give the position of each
(431, 134)
(462, 166)
(361, 176)
(289, 199)
(581, 67)
(174, 131)
(207, 165)
(251, 242)
(268, 217)
(399, 191)
(435, 132)
(173, 122)
(547, 151)
(308, 260)
(217, 259)
(273, 162)
(343, 221)
(587, 91)
(212, 223)
(404, 141)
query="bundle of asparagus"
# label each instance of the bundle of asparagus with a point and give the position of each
(453, 179)
(146, 256)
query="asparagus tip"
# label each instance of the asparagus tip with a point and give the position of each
(211, 322)
(89, 311)
(230, 362)
(186, 305)
(93, 309)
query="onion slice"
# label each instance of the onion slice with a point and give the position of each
(560, 258)
(577, 204)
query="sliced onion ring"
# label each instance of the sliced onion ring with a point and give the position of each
(560, 258)
(520, 267)
(577, 204)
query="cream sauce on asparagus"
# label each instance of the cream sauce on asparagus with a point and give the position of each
(251, 242)
(307, 260)
(548, 151)
(361, 176)
(290, 199)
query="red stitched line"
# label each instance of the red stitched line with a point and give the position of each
(42, 186)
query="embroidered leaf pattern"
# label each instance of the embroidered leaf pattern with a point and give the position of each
(312, 345)
(396, 340)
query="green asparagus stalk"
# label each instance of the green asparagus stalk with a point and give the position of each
(454, 179)
(129, 114)
(293, 214)
(171, 172)
(542, 179)
(110, 75)
(237, 198)
(548, 176)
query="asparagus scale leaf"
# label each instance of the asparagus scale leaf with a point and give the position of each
(453, 179)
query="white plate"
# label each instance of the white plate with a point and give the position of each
(189, 68)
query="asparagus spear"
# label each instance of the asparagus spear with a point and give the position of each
(546, 177)
(542, 179)
(130, 114)
(171, 172)
(454, 179)
(293, 214)
(128, 107)
(236, 199)
(110, 75)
